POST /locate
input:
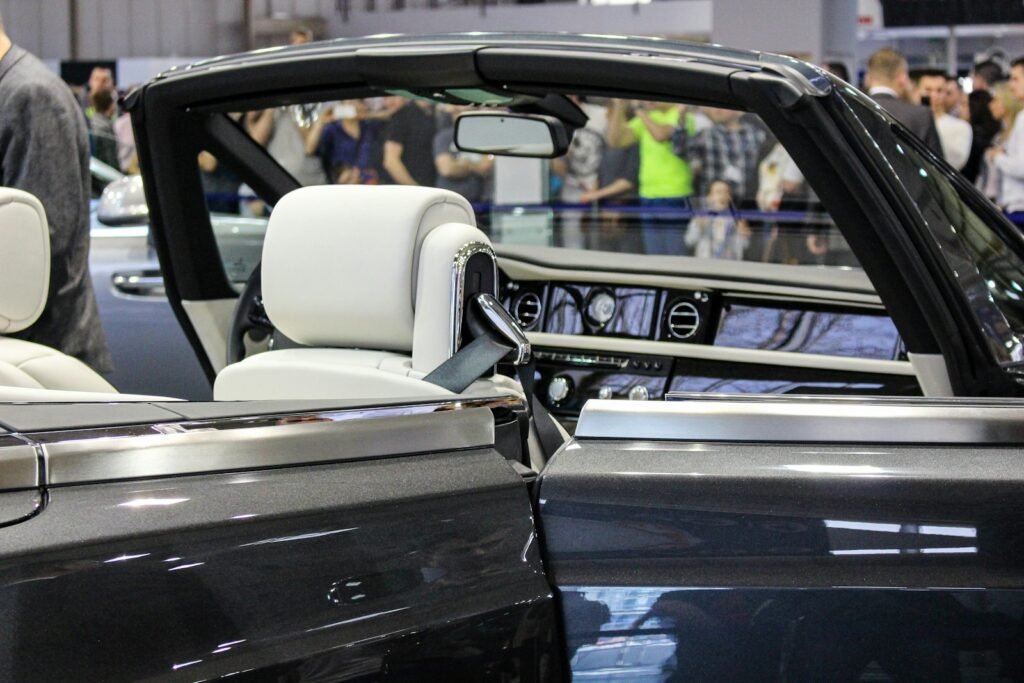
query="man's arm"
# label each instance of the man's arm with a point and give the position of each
(612, 189)
(260, 125)
(394, 166)
(619, 132)
(316, 132)
(659, 131)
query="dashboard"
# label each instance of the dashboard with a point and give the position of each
(595, 341)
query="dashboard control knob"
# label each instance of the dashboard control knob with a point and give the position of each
(601, 308)
(559, 389)
(639, 393)
(605, 393)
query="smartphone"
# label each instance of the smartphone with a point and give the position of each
(344, 111)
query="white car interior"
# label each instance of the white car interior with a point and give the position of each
(376, 308)
(31, 371)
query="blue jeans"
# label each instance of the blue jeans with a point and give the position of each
(663, 234)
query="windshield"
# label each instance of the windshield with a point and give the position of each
(980, 247)
(643, 178)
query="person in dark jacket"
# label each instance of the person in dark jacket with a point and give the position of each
(44, 150)
(888, 82)
(985, 127)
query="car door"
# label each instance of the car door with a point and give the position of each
(789, 539)
(325, 541)
(21, 493)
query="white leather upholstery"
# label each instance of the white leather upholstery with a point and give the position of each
(29, 371)
(365, 267)
(339, 261)
(33, 366)
(23, 395)
(24, 260)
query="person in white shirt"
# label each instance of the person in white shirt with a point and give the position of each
(955, 133)
(1009, 157)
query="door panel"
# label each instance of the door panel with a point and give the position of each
(351, 568)
(20, 492)
(704, 559)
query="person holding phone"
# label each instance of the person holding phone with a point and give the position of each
(346, 144)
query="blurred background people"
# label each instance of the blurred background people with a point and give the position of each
(888, 83)
(579, 169)
(44, 150)
(103, 140)
(984, 128)
(466, 173)
(727, 150)
(300, 35)
(284, 131)
(837, 69)
(955, 134)
(100, 78)
(409, 145)
(985, 75)
(127, 157)
(665, 180)
(346, 143)
(719, 234)
(1008, 157)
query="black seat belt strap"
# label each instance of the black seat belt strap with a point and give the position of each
(476, 359)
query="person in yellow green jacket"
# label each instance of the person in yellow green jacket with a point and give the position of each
(665, 180)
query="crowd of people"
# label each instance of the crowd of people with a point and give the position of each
(655, 177)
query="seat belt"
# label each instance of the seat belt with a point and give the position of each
(494, 342)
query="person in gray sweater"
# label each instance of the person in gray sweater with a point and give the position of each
(44, 150)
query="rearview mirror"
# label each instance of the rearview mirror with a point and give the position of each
(123, 202)
(514, 135)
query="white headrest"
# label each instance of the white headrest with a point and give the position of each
(24, 260)
(340, 261)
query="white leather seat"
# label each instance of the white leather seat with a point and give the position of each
(368, 276)
(25, 367)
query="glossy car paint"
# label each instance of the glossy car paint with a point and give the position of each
(731, 561)
(400, 567)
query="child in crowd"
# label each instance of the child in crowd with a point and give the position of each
(719, 235)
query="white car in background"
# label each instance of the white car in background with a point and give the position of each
(136, 316)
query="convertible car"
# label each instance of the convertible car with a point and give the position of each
(758, 424)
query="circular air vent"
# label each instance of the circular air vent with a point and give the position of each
(526, 310)
(683, 320)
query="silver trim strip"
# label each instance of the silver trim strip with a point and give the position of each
(787, 419)
(291, 440)
(19, 464)
(547, 340)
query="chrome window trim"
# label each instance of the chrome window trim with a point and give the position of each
(279, 440)
(458, 303)
(19, 464)
(806, 419)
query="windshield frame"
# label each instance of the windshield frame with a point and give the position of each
(974, 302)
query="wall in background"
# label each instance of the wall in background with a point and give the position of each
(111, 29)
(662, 18)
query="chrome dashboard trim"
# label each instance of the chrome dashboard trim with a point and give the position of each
(458, 303)
(807, 419)
(195, 447)
(617, 345)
